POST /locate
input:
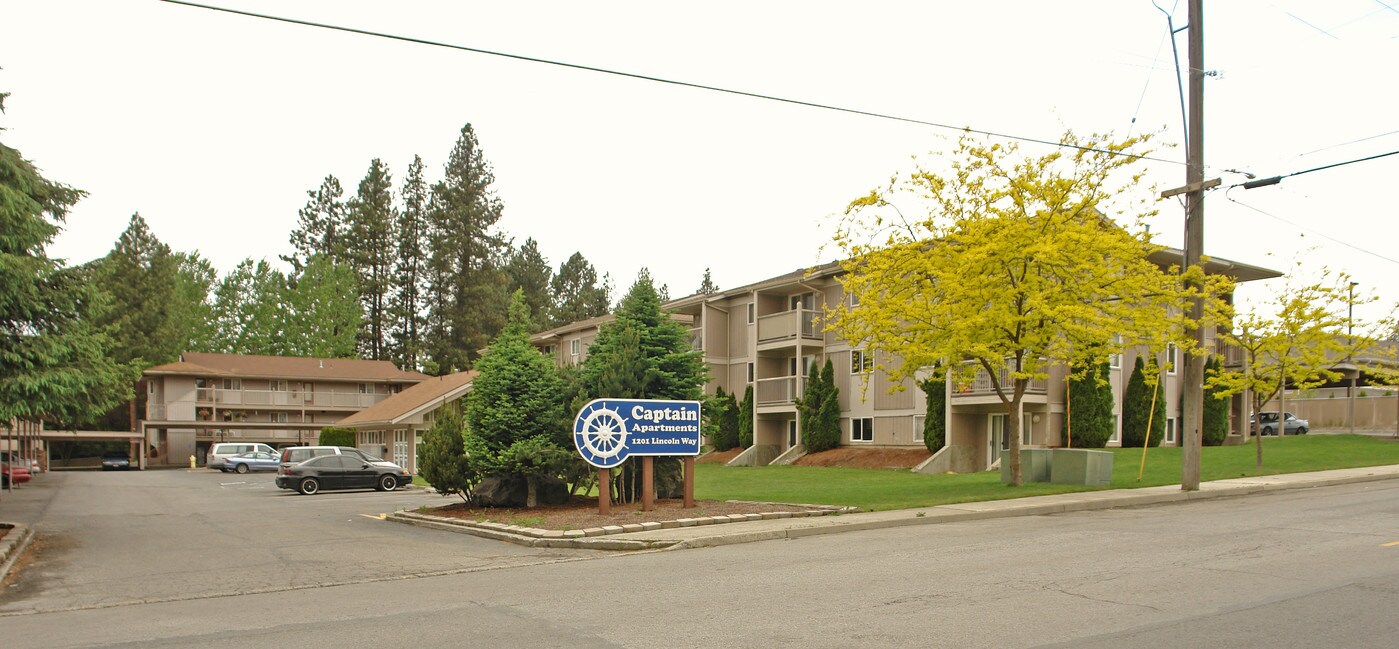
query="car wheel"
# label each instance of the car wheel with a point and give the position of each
(308, 486)
(1267, 431)
(241, 468)
(1302, 430)
(387, 482)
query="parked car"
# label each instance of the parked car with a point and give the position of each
(115, 461)
(255, 461)
(293, 455)
(13, 473)
(1269, 421)
(343, 471)
(13, 458)
(219, 453)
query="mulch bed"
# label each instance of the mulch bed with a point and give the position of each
(720, 457)
(581, 513)
(867, 458)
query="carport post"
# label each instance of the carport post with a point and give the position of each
(604, 492)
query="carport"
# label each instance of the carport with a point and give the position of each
(237, 431)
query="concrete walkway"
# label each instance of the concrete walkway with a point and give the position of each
(790, 528)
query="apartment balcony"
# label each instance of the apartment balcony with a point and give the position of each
(697, 338)
(789, 327)
(315, 399)
(980, 389)
(777, 394)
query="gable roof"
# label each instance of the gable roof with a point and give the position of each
(430, 393)
(285, 367)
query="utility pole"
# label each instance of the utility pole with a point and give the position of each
(1192, 411)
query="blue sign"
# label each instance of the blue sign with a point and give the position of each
(608, 431)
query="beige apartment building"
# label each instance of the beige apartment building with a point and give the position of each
(393, 428)
(203, 399)
(769, 333)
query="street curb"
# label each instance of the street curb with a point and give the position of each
(13, 545)
(800, 527)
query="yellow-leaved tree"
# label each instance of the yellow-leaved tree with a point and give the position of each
(1014, 265)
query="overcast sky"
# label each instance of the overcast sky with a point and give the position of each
(213, 126)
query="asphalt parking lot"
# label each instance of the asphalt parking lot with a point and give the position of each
(115, 538)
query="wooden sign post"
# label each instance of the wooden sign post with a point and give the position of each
(604, 491)
(689, 483)
(648, 483)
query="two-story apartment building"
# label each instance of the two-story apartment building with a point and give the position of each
(203, 399)
(769, 333)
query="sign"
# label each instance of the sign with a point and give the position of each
(608, 431)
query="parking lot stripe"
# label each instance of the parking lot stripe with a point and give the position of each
(375, 516)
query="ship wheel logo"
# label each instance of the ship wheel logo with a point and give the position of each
(600, 434)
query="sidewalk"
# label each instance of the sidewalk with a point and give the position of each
(748, 531)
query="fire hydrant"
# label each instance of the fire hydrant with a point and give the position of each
(191, 462)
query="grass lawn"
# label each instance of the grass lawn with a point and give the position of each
(878, 489)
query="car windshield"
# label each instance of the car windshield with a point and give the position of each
(112, 455)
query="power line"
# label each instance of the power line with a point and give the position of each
(1264, 182)
(1306, 229)
(1335, 146)
(673, 82)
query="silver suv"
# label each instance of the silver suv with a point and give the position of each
(219, 453)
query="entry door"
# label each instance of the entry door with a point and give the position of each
(791, 433)
(997, 440)
(400, 449)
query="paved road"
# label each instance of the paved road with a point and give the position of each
(1307, 568)
(117, 538)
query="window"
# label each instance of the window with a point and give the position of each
(854, 300)
(278, 417)
(574, 346)
(751, 312)
(277, 385)
(1171, 358)
(548, 350)
(862, 429)
(750, 372)
(1170, 430)
(805, 301)
(919, 421)
(860, 362)
(1116, 434)
(1115, 360)
(365, 388)
(233, 384)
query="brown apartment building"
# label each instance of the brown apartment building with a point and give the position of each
(203, 399)
(769, 333)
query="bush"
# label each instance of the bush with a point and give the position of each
(1137, 409)
(819, 409)
(935, 410)
(745, 418)
(1090, 408)
(442, 461)
(721, 415)
(1216, 410)
(337, 436)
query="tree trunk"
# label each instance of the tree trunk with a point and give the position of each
(531, 492)
(1017, 417)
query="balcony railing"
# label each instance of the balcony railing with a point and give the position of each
(322, 398)
(980, 384)
(779, 391)
(788, 325)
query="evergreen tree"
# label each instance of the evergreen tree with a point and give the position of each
(249, 312)
(410, 267)
(575, 293)
(935, 411)
(745, 418)
(644, 354)
(1090, 403)
(322, 316)
(194, 313)
(469, 286)
(1216, 406)
(370, 252)
(819, 410)
(442, 461)
(139, 276)
(1137, 408)
(707, 285)
(320, 225)
(530, 273)
(54, 364)
(516, 410)
(722, 412)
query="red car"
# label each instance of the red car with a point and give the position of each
(12, 472)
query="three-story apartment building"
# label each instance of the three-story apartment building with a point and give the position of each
(769, 333)
(203, 399)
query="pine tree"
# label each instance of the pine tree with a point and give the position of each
(822, 431)
(745, 418)
(249, 312)
(55, 364)
(320, 225)
(370, 252)
(443, 462)
(1137, 408)
(530, 273)
(139, 276)
(575, 293)
(722, 412)
(322, 316)
(410, 268)
(707, 285)
(194, 312)
(1090, 403)
(1216, 406)
(468, 292)
(935, 409)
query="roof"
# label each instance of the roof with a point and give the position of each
(285, 367)
(592, 323)
(430, 393)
